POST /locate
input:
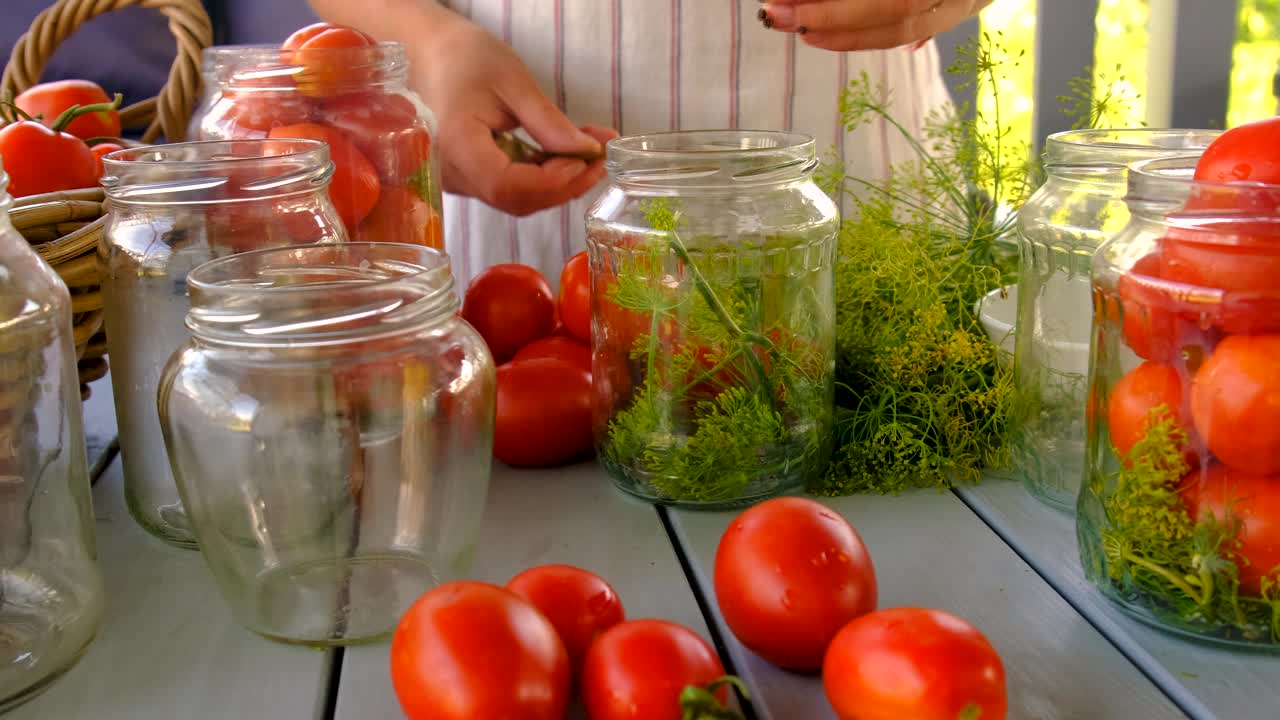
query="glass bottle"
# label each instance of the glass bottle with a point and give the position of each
(1177, 519)
(387, 183)
(1080, 205)
(330, 425)
(51, 596)
(174, 207)
(712, 262)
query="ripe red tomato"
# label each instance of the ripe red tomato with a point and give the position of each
(101, 149)
(354, 188)
(575, 297)
(1152, 329)
(1241, 258)
(1235, 402)
(579, 604)
(40, 159)
(789, 573)
(385, 127)
(468, 650)
(49, 100)
(1251, 504)
(255, 104)
(510, 305)
(324, 71)
(1245, 152)
(637, 670)
(544, 413)
(1135, 395)
(401, 217)
(557, 346)
(914, 663)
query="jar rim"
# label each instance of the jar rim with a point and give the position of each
(385, 287)
(1179, 171)
(1120, 147)
(253, 63)
(178, 173)
(714, 158)
(1206, 211)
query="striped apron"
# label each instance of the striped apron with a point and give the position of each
(654, 65)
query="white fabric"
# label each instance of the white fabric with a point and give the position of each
(652, 65)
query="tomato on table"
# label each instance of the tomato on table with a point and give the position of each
(385, 127)
(354, 188)
(575, 297)
(1245, 152)
(401, 217)
(1250, 504)
(579, 604)
(101, 150)
(914, 663)
(543, 413)
(637, 670)
(1235, 403)
(468, 650)
(789, 573)
(51, 99)
(1136, 395)
(510, 305)
(560, 347)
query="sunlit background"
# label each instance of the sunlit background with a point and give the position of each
(1122, 40)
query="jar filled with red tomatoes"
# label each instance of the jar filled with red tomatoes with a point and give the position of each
(712, 260)
(340, 86)
(1179, 519)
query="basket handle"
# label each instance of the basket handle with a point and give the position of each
(167, 113)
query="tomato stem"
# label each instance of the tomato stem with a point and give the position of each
(701, 703)
(76, 111)
(13, 113)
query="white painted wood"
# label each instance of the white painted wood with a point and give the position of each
(570, 516)
(168, 648)
(1206, 681)
(930, 550)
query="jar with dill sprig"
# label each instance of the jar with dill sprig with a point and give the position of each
(1079, 206)
(712, 267)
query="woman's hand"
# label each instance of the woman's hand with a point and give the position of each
(476, 84)
(866, 24)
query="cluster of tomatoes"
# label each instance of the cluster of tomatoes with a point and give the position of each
(55, 135)
(326, 86)
(1203, 312)
(542, 344)
(795, 585)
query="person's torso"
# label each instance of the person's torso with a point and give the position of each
(653, 65)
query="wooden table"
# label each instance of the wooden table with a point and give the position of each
(991, 554)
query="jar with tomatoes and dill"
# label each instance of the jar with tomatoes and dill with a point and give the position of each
(1179, 518)
(712, 259)
(340, 86)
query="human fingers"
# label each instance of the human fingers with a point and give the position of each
(535, 112)
(840, 15)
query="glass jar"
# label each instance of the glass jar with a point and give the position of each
(1178, 518)
(174, 207)
(1080, 205)
(712, 262)
(51, 596)
(386, 185)
(330, 424)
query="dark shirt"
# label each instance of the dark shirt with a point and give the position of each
(129, 51)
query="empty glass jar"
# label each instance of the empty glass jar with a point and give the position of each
(712, 262)
(1080, 205)
(51, 596)
(330, 425)
(174, 207)
(1179, 520)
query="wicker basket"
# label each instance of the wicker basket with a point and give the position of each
(66, 227)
